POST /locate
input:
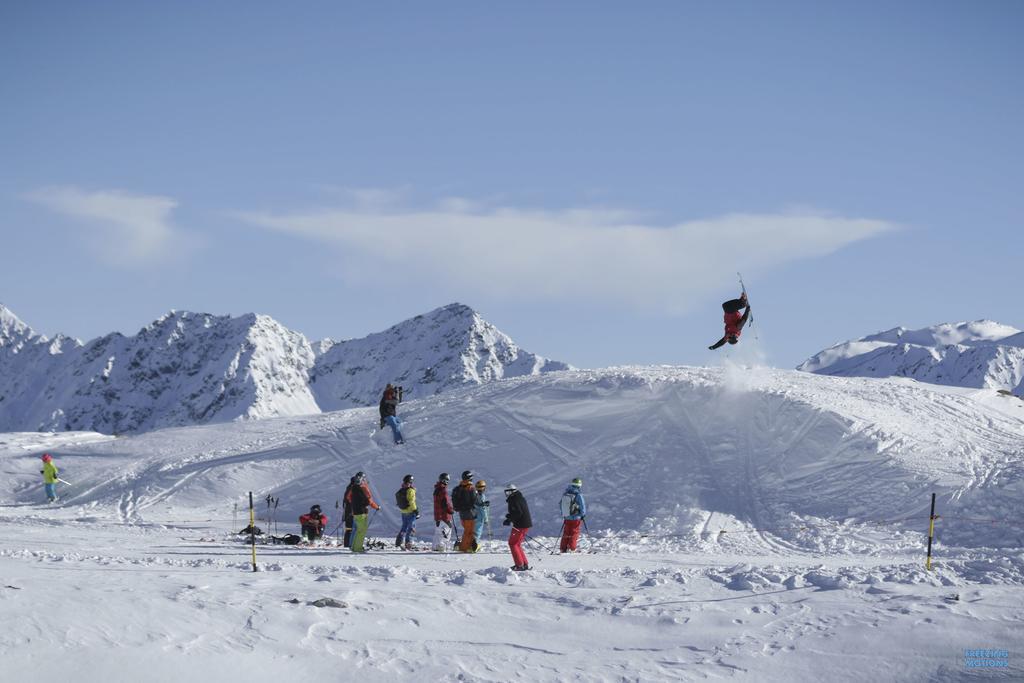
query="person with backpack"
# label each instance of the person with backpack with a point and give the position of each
(442, 514)
(574, 510)
(362, 501)
(482, 517)
(389, 412)
(518, 518)
(346, 513)
(464, 502)
(405, 497)
(50, 477)
(313, 523)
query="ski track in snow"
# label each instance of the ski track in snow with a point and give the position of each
(759, 526)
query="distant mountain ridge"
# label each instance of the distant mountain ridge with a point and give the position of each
(982, 354)
(194, 368)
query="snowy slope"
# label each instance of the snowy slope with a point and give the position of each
(745, 525)
(975, 354)
(752, 448)
(187, 368)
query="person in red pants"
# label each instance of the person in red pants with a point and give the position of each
(518, 518)
(574, 509)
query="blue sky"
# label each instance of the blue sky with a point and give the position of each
(589, 176)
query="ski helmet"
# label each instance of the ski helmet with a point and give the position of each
(733, 339)
(468, 474)
(47, 457)
(444, 478)
(510, 489)
(407, 479)
(577, 482)
(360, 477)
(315, 510)
(481, 484)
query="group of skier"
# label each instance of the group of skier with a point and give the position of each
(467, 498)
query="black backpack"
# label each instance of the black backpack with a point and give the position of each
(401, 499)
(459, 501)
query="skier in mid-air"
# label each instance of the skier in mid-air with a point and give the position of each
(734, 322)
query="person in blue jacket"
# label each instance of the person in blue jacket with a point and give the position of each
(574, 509)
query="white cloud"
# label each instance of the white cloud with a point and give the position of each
(132, 230)
(587, 255)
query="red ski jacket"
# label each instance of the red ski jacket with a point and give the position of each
(311, 519)
(442, 504)
(732, 324)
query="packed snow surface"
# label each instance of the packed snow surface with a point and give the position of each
(744, 524)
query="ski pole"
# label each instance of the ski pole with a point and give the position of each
(534, 540)
(276, 501)
(561, 534)
(590, 537)
(64, 482)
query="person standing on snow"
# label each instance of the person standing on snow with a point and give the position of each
(389, 413)
(734, 322)
(574, 510)
(442, 514)
(362, 500)
(406, 499)
(346, 512)
(482, 515)
(50, 477)
(518, 518)
(313, 523)
(464, 502)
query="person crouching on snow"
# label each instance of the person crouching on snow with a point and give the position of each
(313, 523)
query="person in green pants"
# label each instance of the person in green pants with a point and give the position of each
(362, 501)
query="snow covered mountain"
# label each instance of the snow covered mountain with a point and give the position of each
(447, 348)
(195, 368)
(979, 354)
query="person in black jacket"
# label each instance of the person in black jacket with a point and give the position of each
(389, 412)
(347, 512)
(518, 518)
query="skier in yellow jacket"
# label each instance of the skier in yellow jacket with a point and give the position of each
(406, 499)
(49, 473)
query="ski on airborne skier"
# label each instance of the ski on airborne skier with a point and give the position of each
(743, 287)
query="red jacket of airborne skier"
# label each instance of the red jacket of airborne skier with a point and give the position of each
(733, 324)
(442, 503)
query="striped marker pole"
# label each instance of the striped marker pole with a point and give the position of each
(252, 531)
(931, 535)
